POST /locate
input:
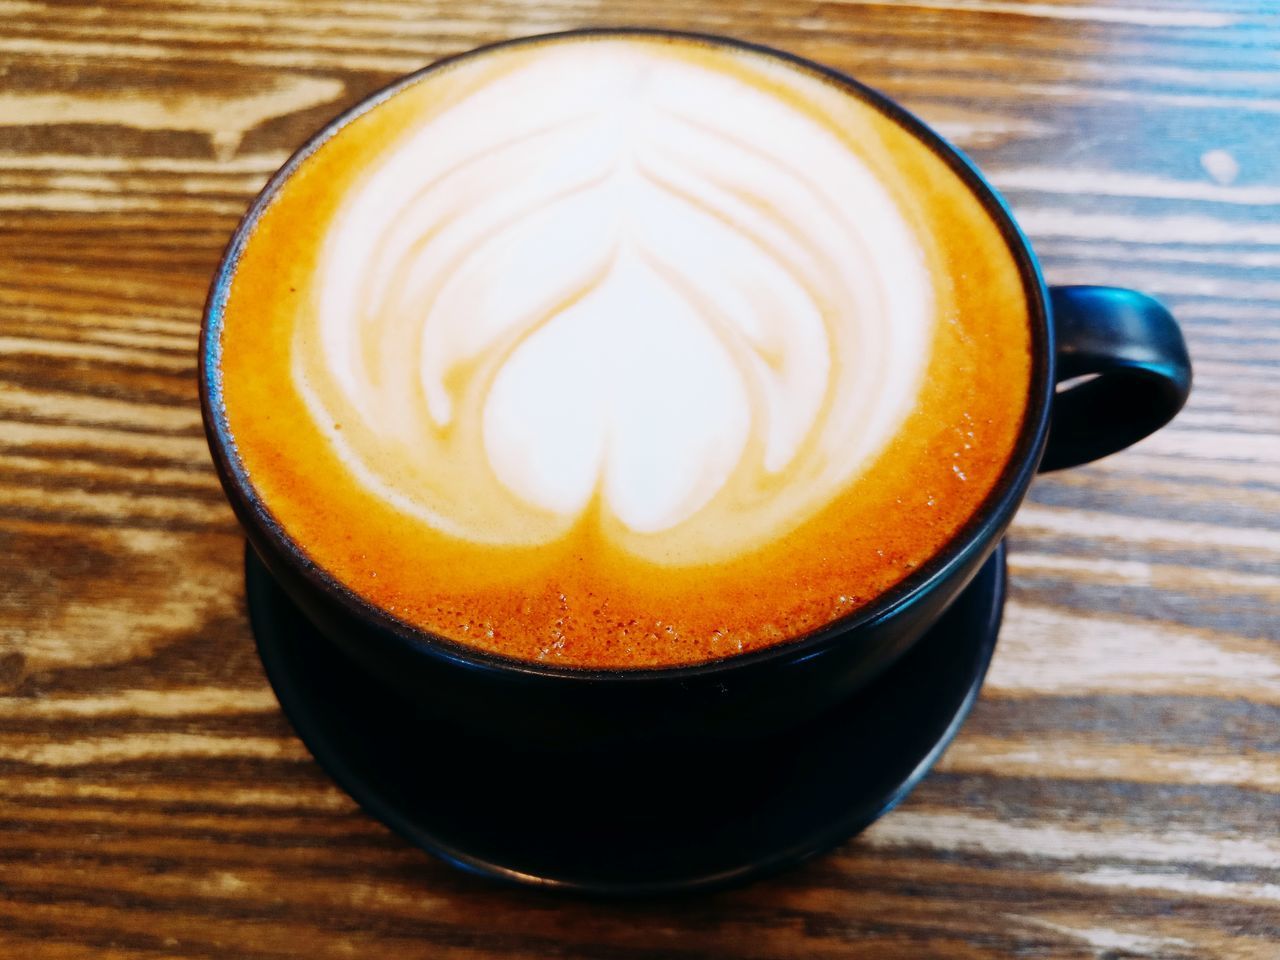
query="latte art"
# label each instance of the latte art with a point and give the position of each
(616, 286)
(619, 350)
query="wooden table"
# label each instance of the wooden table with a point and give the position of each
(1116, 792)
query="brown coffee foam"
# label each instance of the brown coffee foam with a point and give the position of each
(582, 601)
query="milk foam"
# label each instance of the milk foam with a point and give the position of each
(614, 285)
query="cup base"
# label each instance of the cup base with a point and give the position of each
(641, 824)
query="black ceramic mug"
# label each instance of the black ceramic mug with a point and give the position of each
(1118, 354)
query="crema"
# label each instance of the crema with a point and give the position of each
(622, 351)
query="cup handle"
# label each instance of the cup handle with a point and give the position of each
(1127, 353)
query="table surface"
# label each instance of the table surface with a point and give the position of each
(1116, 791)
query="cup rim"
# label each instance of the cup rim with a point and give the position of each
(975, 534)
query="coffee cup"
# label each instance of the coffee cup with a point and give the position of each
(631, 386)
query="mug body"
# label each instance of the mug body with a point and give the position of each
(589, 709)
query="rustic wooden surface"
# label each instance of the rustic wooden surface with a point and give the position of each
(1116, 792)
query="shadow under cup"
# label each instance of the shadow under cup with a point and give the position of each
(1130, 375)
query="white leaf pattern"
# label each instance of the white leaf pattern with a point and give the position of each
(614, 283)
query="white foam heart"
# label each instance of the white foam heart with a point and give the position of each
(611, 279)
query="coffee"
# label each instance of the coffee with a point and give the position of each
(622, 350)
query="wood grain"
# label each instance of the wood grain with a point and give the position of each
(1116, 792)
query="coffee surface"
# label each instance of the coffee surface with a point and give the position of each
(622, 351)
